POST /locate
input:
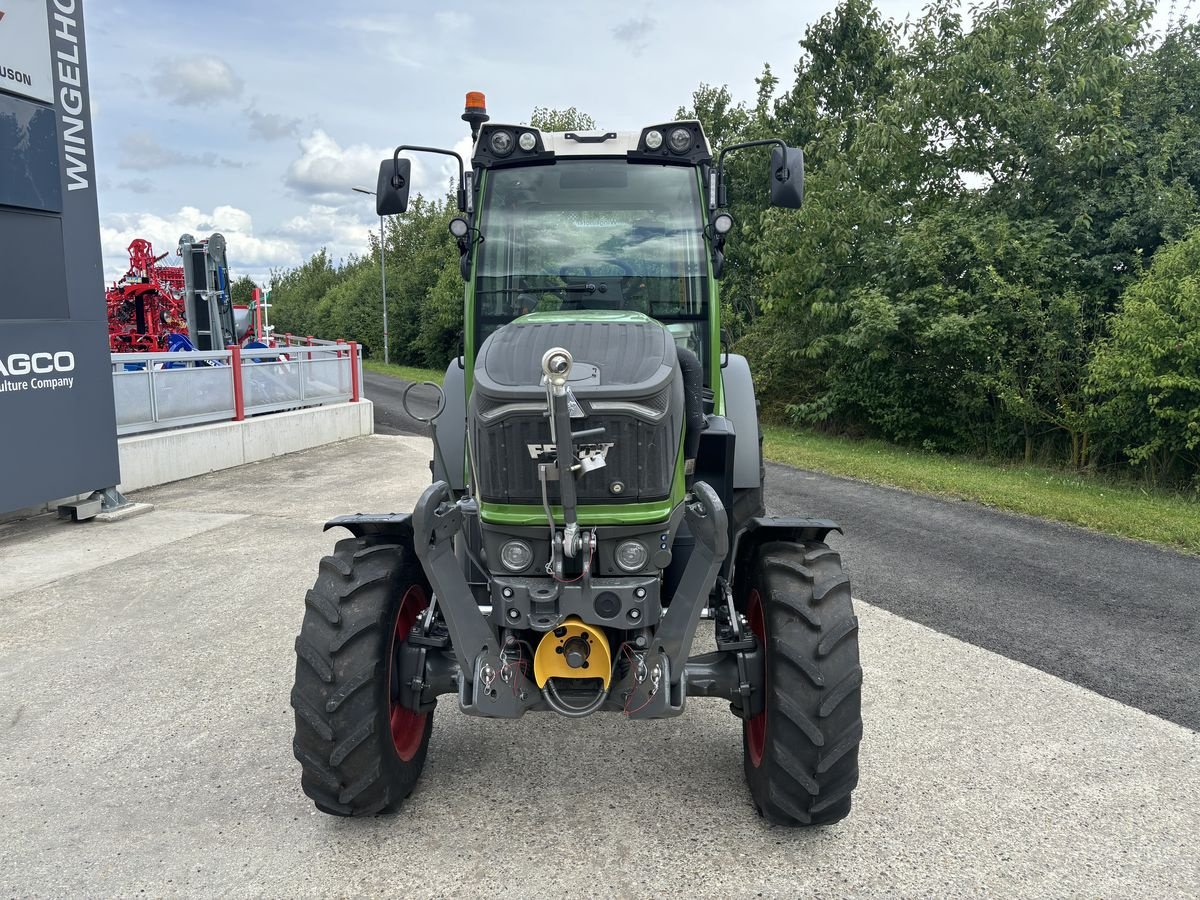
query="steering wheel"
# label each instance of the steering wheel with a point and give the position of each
(589, 265)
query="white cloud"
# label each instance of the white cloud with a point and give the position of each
(248, 254)
(266, 126)
(326, 172)
(452, 20)
(394, 37)
(141, 150)
(138, 185)
(198, 81)
(343, 229)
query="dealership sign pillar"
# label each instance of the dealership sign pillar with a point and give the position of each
(57, 423)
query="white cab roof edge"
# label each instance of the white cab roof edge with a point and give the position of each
(557, 142)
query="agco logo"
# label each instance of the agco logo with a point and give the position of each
(37, 363)
(589, 452)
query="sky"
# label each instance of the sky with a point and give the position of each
(258, 118)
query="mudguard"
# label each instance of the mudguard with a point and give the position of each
(366, 524)
(450, 430)
(742, 410)
(763, 529)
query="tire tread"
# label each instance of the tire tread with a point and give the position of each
(343, 740)
(809, 766)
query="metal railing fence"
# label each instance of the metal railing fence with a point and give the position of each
(156, 391)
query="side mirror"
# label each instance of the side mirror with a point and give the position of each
(787, 177)
(391, 190)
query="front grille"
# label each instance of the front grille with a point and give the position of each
(642, 458)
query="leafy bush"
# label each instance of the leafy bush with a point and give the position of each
(1146, 376)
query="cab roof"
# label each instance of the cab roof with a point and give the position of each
(547, 146)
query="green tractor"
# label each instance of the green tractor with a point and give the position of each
(597, 492)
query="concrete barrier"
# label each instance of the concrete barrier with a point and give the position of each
(164, 456)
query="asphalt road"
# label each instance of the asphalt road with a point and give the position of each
(390, 418)
(1119, 617)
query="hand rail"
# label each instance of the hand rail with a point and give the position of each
(156, 391)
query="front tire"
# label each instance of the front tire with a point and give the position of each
(361, 752)
(801, 752)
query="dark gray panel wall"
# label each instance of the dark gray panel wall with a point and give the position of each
(30, 289)
(57, 424)
(29, 170)
(56, 438)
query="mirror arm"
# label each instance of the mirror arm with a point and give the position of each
(717, 183)
(462, 194)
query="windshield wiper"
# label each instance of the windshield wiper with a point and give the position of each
(589, 288)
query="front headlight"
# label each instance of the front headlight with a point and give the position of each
(631, 555)
(502, 143)
(516, 556)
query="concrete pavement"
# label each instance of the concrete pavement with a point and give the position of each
(145, 743)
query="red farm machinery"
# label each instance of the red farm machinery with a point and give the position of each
(145, 305)
(155, 308)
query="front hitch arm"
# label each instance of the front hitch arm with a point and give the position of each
(708, 522)
(672, 641)
(489, 685)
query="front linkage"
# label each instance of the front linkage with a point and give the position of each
(475, 658)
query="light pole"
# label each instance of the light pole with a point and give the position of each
(382, 278)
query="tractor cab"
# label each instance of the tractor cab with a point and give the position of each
(627, 221)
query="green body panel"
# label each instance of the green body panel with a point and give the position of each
(601, 514)
(714, 325)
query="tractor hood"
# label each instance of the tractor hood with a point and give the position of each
(614, 352)
(626, 379)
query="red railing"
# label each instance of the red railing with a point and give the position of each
(239, 390)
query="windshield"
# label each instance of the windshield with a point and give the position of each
(594, 234)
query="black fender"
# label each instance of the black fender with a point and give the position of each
(742, 410)
(450, 429)
(396, 525)
(763, 529)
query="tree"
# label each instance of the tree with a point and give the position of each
(297, 293)
(242, 291)
(547, 118)
(1146, 376)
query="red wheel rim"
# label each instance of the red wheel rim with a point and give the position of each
(756, 728)
(408, 727)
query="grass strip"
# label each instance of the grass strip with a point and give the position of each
(408, 373)
(1121, 509)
